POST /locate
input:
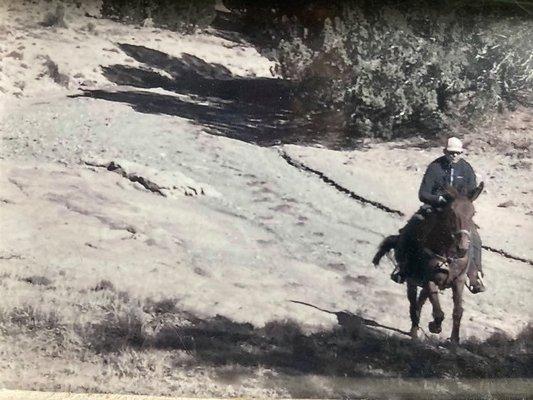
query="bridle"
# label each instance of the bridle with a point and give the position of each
(446, 262)
(463, 231)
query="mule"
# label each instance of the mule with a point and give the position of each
(440, 262)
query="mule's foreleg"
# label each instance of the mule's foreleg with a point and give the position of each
(457, 288)
(435, 326)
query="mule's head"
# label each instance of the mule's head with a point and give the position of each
(460, 212)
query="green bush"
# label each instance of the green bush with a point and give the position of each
(393, 69)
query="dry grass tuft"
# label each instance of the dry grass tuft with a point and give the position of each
(37, 280)
(52, 70)
(117, 331)
(15, 54)
(164, 306)
(90, 28)
(505, 356)
(135, 330)
(28, 318)
(104, 284)
(56, 18)
(282, 331)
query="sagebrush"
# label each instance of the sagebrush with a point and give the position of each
(391, 69)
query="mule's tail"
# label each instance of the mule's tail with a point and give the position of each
(386, 245)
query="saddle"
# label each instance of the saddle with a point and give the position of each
(416, 255)
(409, 249)
(416, 230)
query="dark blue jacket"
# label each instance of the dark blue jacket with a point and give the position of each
(440, 173)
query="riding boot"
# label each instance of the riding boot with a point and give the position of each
(398, 275)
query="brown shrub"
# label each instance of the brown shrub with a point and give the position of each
(104, 284)
(37, 280)
(30, 318)
(56, 18)
(118, 330)
(52, 70)
(164, 306)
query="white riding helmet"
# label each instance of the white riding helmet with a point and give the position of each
(454, 145)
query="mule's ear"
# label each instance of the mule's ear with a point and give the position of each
(474, 193)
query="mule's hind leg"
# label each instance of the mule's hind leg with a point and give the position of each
(435, 326)
(415, 306)
(417, 310)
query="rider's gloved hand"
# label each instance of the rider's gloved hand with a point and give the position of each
(445, 198)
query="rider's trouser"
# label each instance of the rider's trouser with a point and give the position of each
(476, 253)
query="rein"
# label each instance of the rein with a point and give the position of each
(445, 260)
(446, 263)
(463, 231)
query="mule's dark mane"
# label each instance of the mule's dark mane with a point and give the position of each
(440, 236)
(453, 192)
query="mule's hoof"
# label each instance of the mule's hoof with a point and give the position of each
(415, 333)
(477, 287)
(452, 344)
(434, 327)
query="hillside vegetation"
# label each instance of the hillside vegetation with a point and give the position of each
(391, 69)
(384, 69)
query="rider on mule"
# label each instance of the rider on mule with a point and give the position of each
(447, 170)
